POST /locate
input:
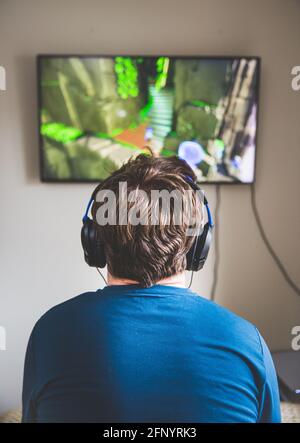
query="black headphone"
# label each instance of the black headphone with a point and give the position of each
(198, 252)
(93, 247)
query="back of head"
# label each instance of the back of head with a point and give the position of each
(145, 236)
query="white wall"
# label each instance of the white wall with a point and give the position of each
(41, 258)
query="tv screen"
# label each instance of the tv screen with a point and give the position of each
(96, 112)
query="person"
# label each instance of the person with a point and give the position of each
(145, 348)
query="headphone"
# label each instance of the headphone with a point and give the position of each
(198, 252)
(93, 247)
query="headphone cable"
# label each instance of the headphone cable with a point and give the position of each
(191, 280)
(102, 276)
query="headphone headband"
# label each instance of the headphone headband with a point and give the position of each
(197, 188)
(86, 217)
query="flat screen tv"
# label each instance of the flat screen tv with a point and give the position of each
(95, 112)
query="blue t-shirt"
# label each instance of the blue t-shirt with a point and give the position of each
(161, 354)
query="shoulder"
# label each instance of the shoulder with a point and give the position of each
(221, 313)
(64, 313)
(230, 327)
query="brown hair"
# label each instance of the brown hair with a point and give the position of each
(147, 253)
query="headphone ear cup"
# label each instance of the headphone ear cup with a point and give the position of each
(93, 247)
(198, 252)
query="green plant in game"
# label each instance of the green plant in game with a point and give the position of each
(127, 77)
(60, 132)
(162, 67)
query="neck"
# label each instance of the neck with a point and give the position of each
(175, 280)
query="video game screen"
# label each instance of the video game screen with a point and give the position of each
(96, 112)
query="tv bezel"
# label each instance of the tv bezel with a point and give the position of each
(40, 57)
